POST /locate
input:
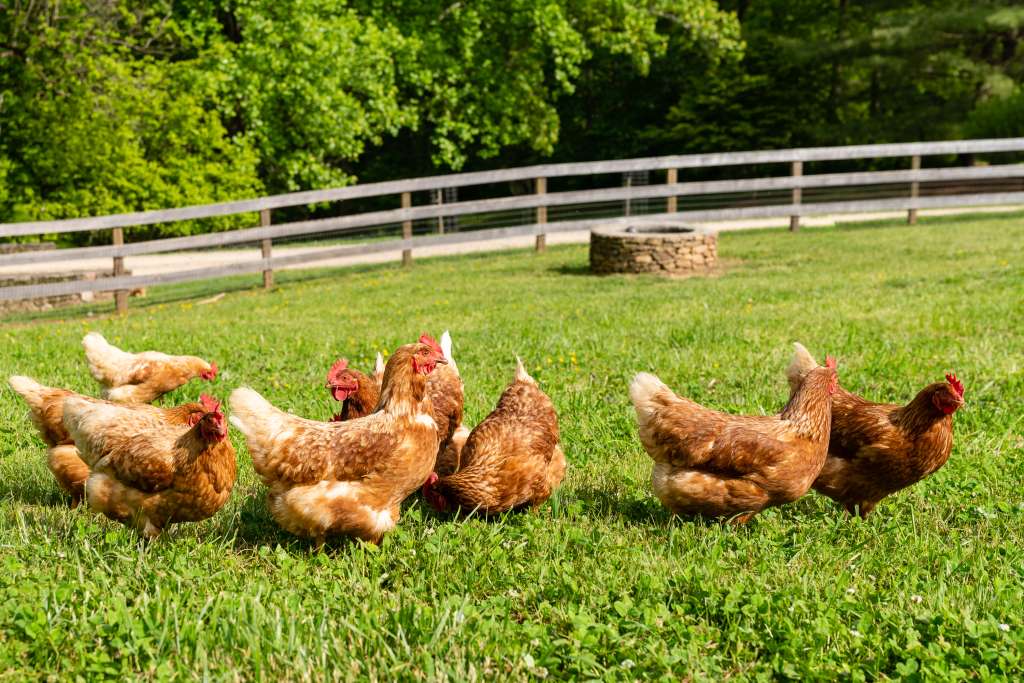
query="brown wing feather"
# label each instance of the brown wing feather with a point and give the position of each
(153, 374)
(686, 434)
(138, 453)
(305, 451)
(153, 379)
(135, 444)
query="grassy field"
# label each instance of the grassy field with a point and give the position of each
(601, 583)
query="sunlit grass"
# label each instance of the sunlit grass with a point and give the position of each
(601, 582)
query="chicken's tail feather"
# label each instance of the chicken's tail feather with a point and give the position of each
(446, 349)
(802, 363)
(259, 421)
(642, 391)
(521, 374)
(45, 406)
(29, 389)
(378, 366)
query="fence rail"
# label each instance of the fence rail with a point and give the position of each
(980, 186)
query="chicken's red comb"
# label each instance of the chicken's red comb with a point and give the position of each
(957, 385)
(830, 362)
(209, 403)
(429, 341)
(336, 369)
(211, 374)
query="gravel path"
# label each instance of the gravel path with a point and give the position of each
(168, 263)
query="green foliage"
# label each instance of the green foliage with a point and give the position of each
(850, 72)
(311, 83)
(5, 168)
(491, 75)
(600, 583)
(619, 102)
(121, 105)
(127, 105)
(998, 117)
(94, 124)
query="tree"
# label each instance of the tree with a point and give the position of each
(120, 105)
(310, 83)
(501, 77)
(847, 73)
(96, 119)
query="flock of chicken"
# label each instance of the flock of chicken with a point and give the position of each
(852, 450)
(400, 429)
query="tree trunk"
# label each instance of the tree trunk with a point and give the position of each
(833, 89)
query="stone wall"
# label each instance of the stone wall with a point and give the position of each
(20, 247)
(666, 252)
(47, 303)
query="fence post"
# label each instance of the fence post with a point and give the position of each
(406, 230)
(628, 208)
(440, 219)
(542, 215)
(121, 295)
(265, 245)
(915, 187)
(671, 179)
(798, 170)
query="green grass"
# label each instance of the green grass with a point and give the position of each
(601, 583)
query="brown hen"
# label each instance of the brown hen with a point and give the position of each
(151, 467)
(358, 393)
(877, 449)
(140, 377)
(719, 465)
(511, 459)
(347, 478)
(444, 386)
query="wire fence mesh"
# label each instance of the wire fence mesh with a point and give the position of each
(452, 223)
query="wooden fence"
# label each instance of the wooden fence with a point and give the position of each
(977, 190)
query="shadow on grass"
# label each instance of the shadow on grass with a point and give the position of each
(253, 526)
(649, 512)
(582, 269)
(609, 505)
(34, 495)
(589, 503)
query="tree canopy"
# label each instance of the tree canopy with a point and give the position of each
(120, 105)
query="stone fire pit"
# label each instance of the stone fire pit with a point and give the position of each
(665, 248)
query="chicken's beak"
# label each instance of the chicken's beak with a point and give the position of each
(442, 360)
